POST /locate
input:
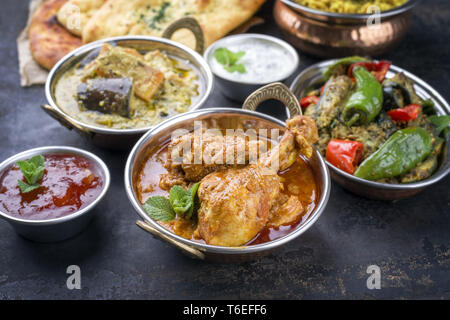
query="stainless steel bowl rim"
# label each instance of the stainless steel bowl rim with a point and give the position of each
(53, 150)
(351, 16)
(437, 176)
(278, 41)
(93, 45)
(325, 188)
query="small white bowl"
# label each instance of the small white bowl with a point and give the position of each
(237, 89)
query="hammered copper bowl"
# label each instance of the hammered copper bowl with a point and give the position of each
(370, 189)
(126, 138)
(328, 34)
(225, 118)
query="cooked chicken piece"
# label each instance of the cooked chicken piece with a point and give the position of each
(285, 211)
(235, 204)
(218, 152)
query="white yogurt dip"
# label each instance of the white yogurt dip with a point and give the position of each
(265, 60)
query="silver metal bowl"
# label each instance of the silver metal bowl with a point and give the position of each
(370, 189)
(240, 90)
(58, 229)
(125, 138)
(329, 34)
(225, 118)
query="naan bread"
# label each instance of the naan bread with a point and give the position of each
(49, 41)
(151, 17)
(75, 13)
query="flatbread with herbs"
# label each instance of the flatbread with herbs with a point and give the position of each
(151, 17)
(56, 23)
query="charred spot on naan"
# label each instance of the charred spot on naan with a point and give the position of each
(49, 41)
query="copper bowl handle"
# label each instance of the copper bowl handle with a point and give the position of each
(191, 24)
(277, 91)
(192, 252)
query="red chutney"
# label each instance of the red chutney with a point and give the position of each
(68, 184)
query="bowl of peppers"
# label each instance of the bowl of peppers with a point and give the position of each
(383, 131)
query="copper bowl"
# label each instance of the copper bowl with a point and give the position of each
(224, 118)
(313, 76)
(328, 34)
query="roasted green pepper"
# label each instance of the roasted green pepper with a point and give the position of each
(399, 154)
(341, 66)
(365, 104)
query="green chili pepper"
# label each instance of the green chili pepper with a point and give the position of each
(343, 63)
(365, 104)
(399, 154)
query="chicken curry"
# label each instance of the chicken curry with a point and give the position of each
(232, 204)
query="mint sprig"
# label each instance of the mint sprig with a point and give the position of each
(228, 59)
(33, 171)
(180, 202)
(159, 208)
(179, 199)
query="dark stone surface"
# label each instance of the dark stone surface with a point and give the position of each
(409, 240)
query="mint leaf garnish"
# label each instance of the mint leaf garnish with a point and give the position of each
(179, 199)
(25, 187)
(159, 208)
(180, 202)
(33, 171)
(191, 193)
(228, 59)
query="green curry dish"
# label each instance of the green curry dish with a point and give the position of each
(403, 151)
(402, 134)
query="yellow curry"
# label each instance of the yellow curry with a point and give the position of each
(351, 6)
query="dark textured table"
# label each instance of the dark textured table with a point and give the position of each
(409, 240)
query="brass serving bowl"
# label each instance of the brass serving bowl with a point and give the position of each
(370, 189)
(328, 34)
(126, 138)
(225, 118)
